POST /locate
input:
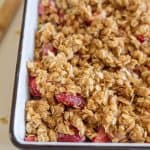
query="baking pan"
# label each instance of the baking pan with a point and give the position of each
(21, 95)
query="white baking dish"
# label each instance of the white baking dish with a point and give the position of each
(17, 125)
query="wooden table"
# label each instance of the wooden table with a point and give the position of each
(8, 55)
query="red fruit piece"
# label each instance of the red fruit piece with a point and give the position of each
(148, 68)
(75, 101)
(33, 87)
(88, 22)
(70, 138)
(141, 38)
(40, 9)
(48, 48)
(102, 136)
(30, 138)
(61, 14)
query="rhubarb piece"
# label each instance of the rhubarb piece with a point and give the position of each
(33, 87)
(75, 101)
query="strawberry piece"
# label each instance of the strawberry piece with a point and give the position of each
(102, 137)
(70, 138)
(148, 68)
(30, 138)
(61, 14)
(88, 22)
(75, 101)
(33, 87)
(40, 9)
(141, 38)
(48, 48)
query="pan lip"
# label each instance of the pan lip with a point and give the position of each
(32, 145)
(16, 79)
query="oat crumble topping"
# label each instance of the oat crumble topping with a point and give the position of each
(90, 77)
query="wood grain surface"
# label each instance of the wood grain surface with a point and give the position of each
(7, 12)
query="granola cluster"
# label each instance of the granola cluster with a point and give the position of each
(90, 77)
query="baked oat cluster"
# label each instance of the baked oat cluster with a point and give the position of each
(90, 77)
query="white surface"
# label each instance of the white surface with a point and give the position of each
(8, 55)
(26, 55)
